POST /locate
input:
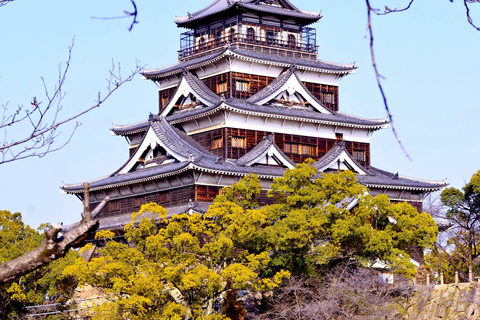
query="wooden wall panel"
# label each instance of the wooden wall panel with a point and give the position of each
(206, 193)
(254, 137)
(175, 197)
(164, 97)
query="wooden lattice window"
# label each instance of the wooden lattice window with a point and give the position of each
(302, 149)
(239, 142)
(329, 98)
(222, 87)
(217, 143)
(243, 86)
(359, 155)
(114, 206)
(138, 201)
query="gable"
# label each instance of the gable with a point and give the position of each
(343, 161)
(185, 98)
(151, 152)
(290, 93)
(271, 156)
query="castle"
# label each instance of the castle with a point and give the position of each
(248, 95)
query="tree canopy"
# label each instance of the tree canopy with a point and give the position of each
(177, 267)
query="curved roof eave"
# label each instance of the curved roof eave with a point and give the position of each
(381, 122)
(301, 64)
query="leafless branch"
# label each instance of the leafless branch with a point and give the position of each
(54, 246)
(128, 14)
(375, 68)
(40, 125)
(469, 18)
(4, 2)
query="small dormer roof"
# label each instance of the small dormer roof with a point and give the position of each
(266, 146)
(287, 81)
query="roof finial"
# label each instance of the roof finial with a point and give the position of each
(395, 176)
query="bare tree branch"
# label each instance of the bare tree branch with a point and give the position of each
(54, 246)
(128, 14)
(469, 18)
(4, 2)
(375, 68)
(40, 125)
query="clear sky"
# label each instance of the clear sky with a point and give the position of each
(428, 55)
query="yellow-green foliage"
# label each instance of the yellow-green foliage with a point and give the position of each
(16, 239)
(179, 265)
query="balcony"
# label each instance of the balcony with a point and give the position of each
(208, 44)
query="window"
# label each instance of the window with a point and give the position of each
(292, 41)
(302, 149)
(339, 136)
(202, 44)
(217, 143)
(359, 155)
(163, 197)
(239, 142)
(232, 34)
(222, 87)
(114, 206)
(251, 35)
(165, 101)
(329, 98)
(243, 86)
(137, 202)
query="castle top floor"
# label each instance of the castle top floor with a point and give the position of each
(253, 25)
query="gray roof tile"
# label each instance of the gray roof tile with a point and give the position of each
(123, 130)
(286, 61)
(219, 6)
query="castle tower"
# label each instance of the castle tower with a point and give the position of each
(248, 95)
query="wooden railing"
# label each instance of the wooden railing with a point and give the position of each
(270, 42)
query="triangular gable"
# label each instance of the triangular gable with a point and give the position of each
(341, 161)
(272, 156)
(184, 98)
(152, 147)
(291, 92)
(266, 153)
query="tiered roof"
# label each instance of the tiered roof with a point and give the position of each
(257, 57)
(189, 155)
(220, 7)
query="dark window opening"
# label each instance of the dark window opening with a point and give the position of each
(138, 201)
(217, 143)
(339, 136)
(114, 206)
(359, 155)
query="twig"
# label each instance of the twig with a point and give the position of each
(44, 121)
(128, 14)
(374, 64)
(469, 18)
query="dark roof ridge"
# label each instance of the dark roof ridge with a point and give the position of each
(200, 88)
(277, 83)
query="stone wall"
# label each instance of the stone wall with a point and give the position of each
(451, 301)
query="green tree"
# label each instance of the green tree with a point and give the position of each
(16, 239)
(180, 265)
(463, 212)
(312, 225)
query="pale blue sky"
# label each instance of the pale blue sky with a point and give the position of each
(428, 55)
